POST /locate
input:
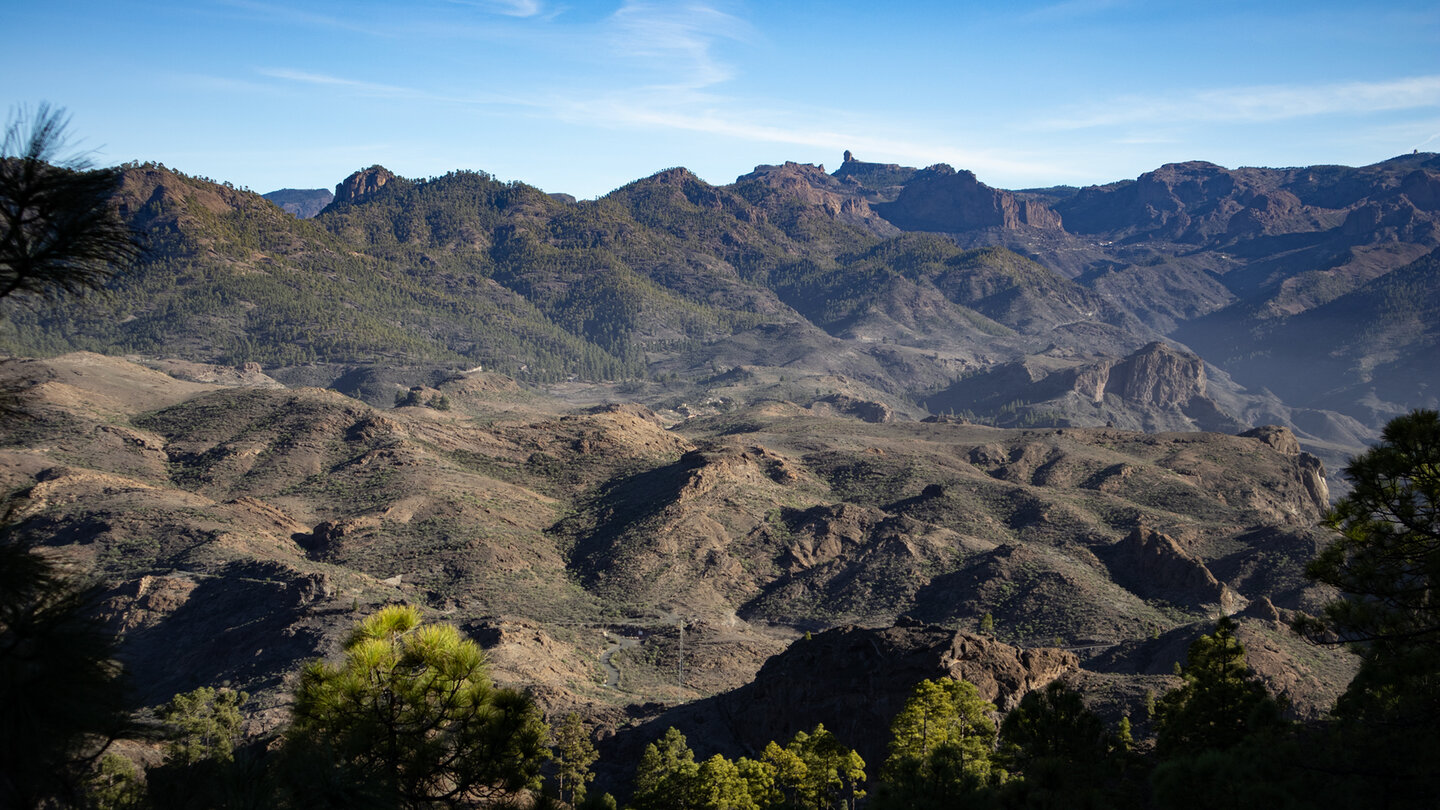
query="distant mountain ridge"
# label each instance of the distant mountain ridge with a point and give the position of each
(875, 283)
(302, 202)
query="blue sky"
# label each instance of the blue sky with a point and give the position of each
(583, 97)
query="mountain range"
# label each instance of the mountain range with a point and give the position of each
(1300, 297)
(676, 454)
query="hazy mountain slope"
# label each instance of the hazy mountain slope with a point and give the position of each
(304, 203)
(1373, 351)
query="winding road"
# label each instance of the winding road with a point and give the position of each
(612, 672)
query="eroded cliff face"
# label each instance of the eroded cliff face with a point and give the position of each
(778, 190)
(1157, 387)
(1156, 566)
(855, 680)
(362, 184)
(1195, 202)
(1158, 376)
(942, 199)
(1309, 469)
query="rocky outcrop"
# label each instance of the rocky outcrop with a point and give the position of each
(1155, 566)
(1180, 201)
(244, 375)
(880, 180)
(778, 190)
(865, 410)
(1309, 469)
(942, 199)
(1159, 376)
(362, 184)
(331, 540)
(854, 680)
(1277, 437)
(1156, 388)
(1197, 202)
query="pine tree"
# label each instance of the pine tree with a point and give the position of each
(574, 753)
(941, 746)
(204, 724)
(59, 231)
(1221, 703)
(667, 776)
(410, 716)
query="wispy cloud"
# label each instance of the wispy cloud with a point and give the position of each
(864, 138)
(392, 91)
(1261, 104)
(677, 41)
(510, 8)
(370, 88)
(517, 8)
(675, 80)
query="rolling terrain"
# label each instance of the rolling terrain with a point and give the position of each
(243, 527)
(680, 454)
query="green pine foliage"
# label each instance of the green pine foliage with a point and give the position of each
(574, 754)
(204, 724)
(410, 715)
(463, 269)
(942, 748)
(1222, 702)
(814, 770)
(1386, 561)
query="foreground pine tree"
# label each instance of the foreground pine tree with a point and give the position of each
(411, 719)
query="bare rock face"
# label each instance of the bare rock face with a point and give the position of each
(303, 203)
(864, 410)
(1277, 437)
(245, 375)
(942, 199)
(1155, 566)
(1181, 201)
(249, 622)
(1310, 469)
(776, 188)
(854, 680)
(362, 184)
(1158, 376)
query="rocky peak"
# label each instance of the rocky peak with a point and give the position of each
(1309, 469)
(362, 184)
(1155, 566)
(677, 175)
(1159, 376)
(948, 201)
(882, 179)
(1277, 437)
(773, 187)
